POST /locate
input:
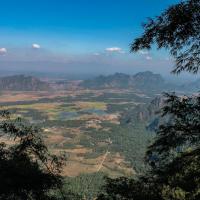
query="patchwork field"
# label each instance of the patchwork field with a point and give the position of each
(85, 125)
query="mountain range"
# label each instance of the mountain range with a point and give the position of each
(23, 83)
(147, 82)
(140, 81)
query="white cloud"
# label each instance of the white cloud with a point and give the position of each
(3, 51)
(149, 58)
(96, 54)
(143, 52)
(36, 46)
(114, 49)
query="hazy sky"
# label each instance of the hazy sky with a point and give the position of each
(78, 36)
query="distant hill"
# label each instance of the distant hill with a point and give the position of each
(143, 112)
(119, 80)
(140, 81)
(146, 113)
(23, 83)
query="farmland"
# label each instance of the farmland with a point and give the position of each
(80, 123)
(86, 126)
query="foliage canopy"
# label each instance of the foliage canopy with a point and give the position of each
(178, 30)
(27, 169)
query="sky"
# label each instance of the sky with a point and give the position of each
(78, 36)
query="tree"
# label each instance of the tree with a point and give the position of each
(27, 170)
(175, 154)
(177, 29)
(180, 134)
(178, 142)
(129, 189)
(174, 157)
